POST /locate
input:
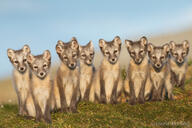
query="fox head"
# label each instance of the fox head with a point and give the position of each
(137, 49)
(111, 50)
(19, 58)
(179, 51)
(40, 64)
(158, 56)
(68, 52)
(87, 53)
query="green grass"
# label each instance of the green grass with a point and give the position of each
(150, 114)
(166, 114)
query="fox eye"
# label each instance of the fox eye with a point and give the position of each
(65, 58)
(83, 55)
(16, 62)
(91, 54)
(132, 53)
(107, 53)
(141, 52)
(74, 55)
(153, 57)
(35, 67)
(24, 60)
(115, 51)
(175, 54)
(162, 57)
(45, 65)
(184, 53)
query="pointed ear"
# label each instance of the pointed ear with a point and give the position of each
(80, 48)
(102, 43)
(150, 48)
(117, 41)
(172, 45)
(26, 49)
(59, 47)
(166, 48)
(90, 44)
(74, 43)
(185, 44)
(128, 43)
(47, 55)
(10, 53)
(143, 41)
(30, 58)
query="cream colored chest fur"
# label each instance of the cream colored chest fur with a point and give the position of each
(110, 75)
(22, 84)
(70, 81)
(179, 71)
(41, 90)
(85, 78)
(138, 75)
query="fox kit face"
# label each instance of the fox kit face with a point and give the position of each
(68, 52)
(111, 50)
(19, 58)
(40, 64)
(137, 49)
(158, 55)
(179, 51)
(87, 53)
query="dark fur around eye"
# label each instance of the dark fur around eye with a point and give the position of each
(35, 67)
(24, 60)
(16, 62)
(45, 65)
(115, 51)
(74, 55)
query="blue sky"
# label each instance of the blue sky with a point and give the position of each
(40, 23)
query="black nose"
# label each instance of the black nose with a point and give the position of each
(113, 60)
(72, 64)
(21, 68)
(41, 73)
(158, 65)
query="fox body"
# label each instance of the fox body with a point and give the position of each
(67, 80)
(21, 80)
(159, 72)
(107, 82)
(41, 85)
(137, 70)
(86, 72)
(178, 62)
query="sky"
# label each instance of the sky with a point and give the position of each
(41, 23)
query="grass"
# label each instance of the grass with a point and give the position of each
(177, 113)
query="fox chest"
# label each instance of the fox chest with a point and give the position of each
(179, 72)
(138, 78)
(110, 77)
(157, 79)
(85, 80)
(69, 83)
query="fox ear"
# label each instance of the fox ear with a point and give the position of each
(26, 49)
(90, 44)
(150, 48)
(128, 43)
(166, 48)
(30, 58)
(172, 45)
(117, 41)
(102, 43)
(59, 47)
(144, 41)
(10, 53)
(47, 55)
(74, 43)
(185, 44)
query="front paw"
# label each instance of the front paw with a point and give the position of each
(132, 102)
(141, 101)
